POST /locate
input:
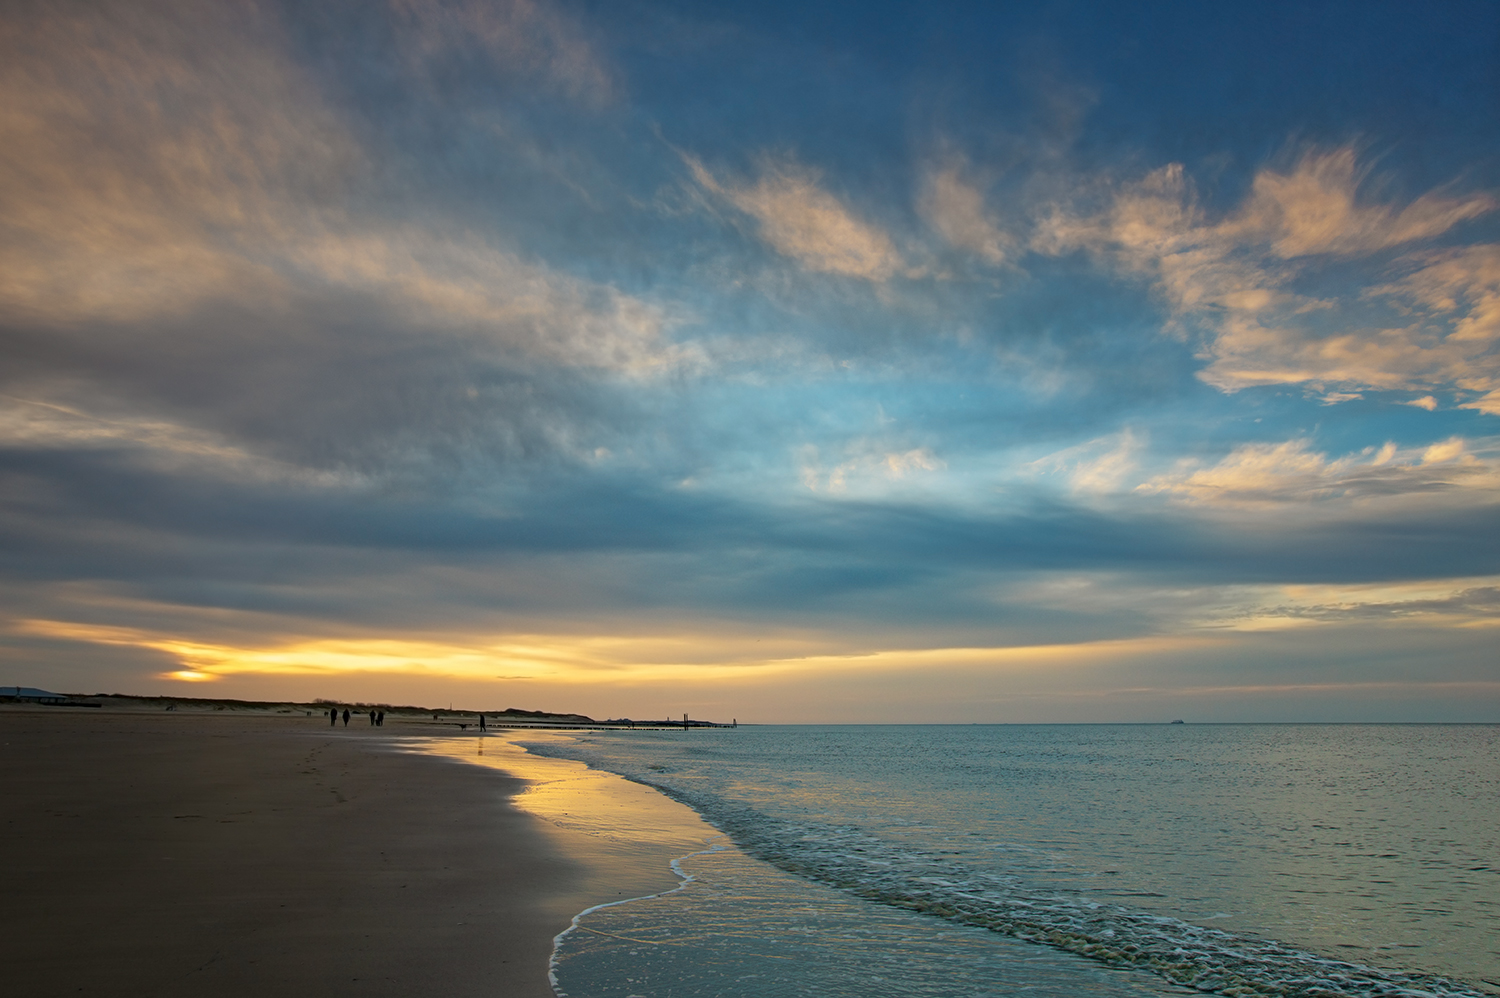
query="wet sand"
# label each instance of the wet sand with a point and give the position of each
(192, 854)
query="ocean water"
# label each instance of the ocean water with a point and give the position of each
(1109, 860)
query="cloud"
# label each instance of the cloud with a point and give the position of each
(236, 566)
(1315, 209)
(564, 658)
(531, 37)
(191, 263)
(1233, 279)
(1452, 299)
(899, 465)
(801, 220)
(455, 280)
(150, 170)
(867, 467)
(568, 659)
(130, 139)
(1464, 283)
(955, 210)
(1098, 466)
(1269, 474)
(1460, 289)
(165, 446)
(1442, 602)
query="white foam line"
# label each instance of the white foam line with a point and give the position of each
(685, 878)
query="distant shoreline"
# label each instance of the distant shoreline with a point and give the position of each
(403, 713)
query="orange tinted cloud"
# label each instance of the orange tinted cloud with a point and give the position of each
(154, 162)
(802, 220)
(1233, 276)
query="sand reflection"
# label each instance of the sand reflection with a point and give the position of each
(622, 834)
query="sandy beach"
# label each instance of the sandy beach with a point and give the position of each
(179, 853)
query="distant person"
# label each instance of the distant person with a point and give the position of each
(346, 717)
(372, 719)
(380, 719)
(481, 722)
(333, 717)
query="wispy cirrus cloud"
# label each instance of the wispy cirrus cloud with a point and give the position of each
(1462, 602)
(1291, 472)
(1315, 208)
(456, 281)
(162, 445)
(192, 268)
(863, 466)
(526, 37)
(1460, 290)
(1096, 467)
(955, 209)
(800, 219)
(134, 148)
(229, 181)
(1235, 279)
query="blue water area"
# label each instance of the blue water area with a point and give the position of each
(1067, 859)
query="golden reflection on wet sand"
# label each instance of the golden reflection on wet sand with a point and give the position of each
(622, 835)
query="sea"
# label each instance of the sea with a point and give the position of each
(959, 861)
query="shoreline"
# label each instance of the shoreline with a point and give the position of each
(185, 853)
(624, 839)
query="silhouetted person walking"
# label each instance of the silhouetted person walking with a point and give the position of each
(333, 716)
(372, 719)
(346, 717)
(481, 722)
(380, 719)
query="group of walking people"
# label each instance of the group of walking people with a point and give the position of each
(377, 717)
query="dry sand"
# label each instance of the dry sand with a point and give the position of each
(214, 854)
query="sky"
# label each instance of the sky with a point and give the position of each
(815, 362)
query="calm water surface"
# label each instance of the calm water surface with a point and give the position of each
(1062, 860)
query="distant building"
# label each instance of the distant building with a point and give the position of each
(30, 694)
